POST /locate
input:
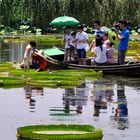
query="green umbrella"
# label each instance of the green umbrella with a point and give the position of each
(64, 21)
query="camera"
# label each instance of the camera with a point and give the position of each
(116, 26)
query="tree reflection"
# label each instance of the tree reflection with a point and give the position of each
(30, 93)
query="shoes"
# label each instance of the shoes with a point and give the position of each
(72, 59)
(68, 59)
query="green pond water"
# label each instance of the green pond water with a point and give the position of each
(108, 103)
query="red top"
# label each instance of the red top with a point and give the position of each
(43, 64)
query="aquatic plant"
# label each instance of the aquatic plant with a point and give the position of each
(59, 78)
(59, 132)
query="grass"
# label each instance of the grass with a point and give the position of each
(45, 39)
(49, 39)
(59, 78)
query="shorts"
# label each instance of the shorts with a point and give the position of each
(27, 61)
(72, 47)
(67, 49)
(81, 53)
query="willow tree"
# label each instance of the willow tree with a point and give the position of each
(6, 8)
(132, 11)
(41, 12)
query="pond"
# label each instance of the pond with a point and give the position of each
(110, 103)
(14, 51)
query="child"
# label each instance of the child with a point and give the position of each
(105, 39)
(28, 55)
(66, 40)
(72, 46)
(41, 60)
(110, 53)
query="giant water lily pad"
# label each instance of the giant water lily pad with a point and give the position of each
(59, 132)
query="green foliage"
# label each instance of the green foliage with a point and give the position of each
(40, 13)
(6, 81)
(60, 78)
(90, 132)
(134, 45)
(5, 67)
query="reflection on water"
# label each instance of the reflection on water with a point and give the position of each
(103, 93)
(121, 112)
(75, 97)
(73, 101)
(14, 51)
(30, 95)
(108, 103)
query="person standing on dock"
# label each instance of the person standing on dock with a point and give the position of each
(122, 34)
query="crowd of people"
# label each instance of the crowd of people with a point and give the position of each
(101, 46)
(78, 41)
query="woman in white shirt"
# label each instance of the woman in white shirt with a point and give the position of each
(99, 52)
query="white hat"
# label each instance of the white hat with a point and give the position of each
(40, 53)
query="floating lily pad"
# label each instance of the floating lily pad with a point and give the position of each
(59, 132)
